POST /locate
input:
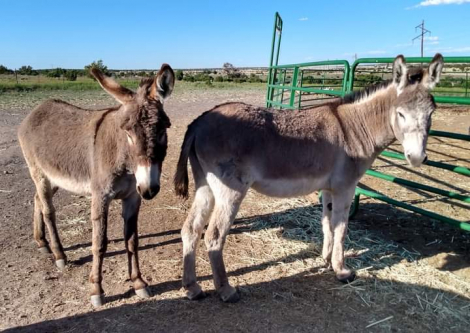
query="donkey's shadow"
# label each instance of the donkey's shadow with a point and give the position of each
(374, 223)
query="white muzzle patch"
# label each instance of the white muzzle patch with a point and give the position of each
(147, 176)
(414, 148)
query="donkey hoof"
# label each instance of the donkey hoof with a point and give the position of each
(347, 278)
(97, 300)
(196, 296)
(142, 293)
(44, 250)
(231, 296)
(60, 264)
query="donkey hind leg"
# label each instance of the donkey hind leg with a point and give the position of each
(44, 213)
(39, 226)
(39, 233)
(227, 203)
(130, 213)
(99, 219)
(191, 234)
(339, 222)
(326, 226)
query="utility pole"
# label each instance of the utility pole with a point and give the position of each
(423, 32)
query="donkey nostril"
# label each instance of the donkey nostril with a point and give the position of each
(425, 159)
(138, 188)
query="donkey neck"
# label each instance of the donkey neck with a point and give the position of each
(366, 123)
(110, 141)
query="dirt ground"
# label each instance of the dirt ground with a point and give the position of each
(413, 272)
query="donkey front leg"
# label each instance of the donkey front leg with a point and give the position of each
(326, 227)
(130, 212)
(339, 222)
(99, 219)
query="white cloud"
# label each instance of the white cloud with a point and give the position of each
(440, 2)
(306, 18)
(403, 45)
(452, 49)
(431, 40)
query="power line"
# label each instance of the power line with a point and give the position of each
(423, 32)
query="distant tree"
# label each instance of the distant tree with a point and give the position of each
(179, 75)
(56, 72)
(5, 70)
(71, 75)
(96, 64)
(229, 68)
(26, 70)
(189, 78)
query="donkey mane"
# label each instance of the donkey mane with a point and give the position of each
(356, 96)
(414, 75)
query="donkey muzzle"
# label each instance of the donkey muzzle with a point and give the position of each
(148, 180)
(148, 193)
(416, 160)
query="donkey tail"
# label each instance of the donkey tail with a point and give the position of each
(181, 179)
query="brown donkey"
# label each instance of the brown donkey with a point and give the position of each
(115, 153)
(235, 146)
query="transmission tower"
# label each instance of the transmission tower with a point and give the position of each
(423, 32)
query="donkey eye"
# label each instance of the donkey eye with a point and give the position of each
(129, 138)
(401, 115)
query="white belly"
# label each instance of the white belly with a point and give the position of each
(72, 185)
(285, 188)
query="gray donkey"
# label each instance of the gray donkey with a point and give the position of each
(115, 153)
(285, 153)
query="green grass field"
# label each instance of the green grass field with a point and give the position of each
(8, 83)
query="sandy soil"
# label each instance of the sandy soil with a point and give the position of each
(413, 272)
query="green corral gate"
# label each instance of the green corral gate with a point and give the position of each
(305, 84)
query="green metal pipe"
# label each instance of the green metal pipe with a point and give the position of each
(409, 183)
(457, 169)
(456, 223)
(355, 206)
(345, 63)
(451, 135)
(451, 99)
(271, 71)
(305, 89)
(293, 85)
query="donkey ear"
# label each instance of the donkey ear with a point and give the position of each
(120, 93)
(164, 83)
(434, 72)
(399, 73)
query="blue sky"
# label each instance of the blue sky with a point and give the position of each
(194, 34)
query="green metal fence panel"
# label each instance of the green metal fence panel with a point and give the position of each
(416, 60)
(371, 194)
(294, 86)
(455, 168)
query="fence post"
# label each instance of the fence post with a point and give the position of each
(294, 84)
